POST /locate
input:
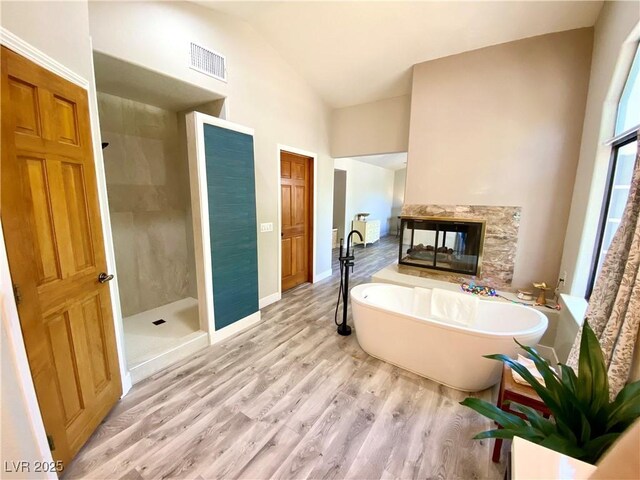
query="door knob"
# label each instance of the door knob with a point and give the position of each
(104, 277)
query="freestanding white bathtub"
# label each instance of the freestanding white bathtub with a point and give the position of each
(393, 327)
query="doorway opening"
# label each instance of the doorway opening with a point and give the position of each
(339, 207)
(297, 215)
(368, 196)
(147, 175)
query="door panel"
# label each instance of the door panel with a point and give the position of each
(66, 121)
(27, 113)
(286, 206)
(51, 220)
(296, 185)
(299, 206)
(77, 215)
(298, 170)
(59, 329)
(287, 268)
(96, 345)
(299, 253)
(41, 218)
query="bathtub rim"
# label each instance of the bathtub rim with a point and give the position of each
(356, 296)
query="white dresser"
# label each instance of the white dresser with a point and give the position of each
(370, 231)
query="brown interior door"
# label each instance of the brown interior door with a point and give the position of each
(55, 247)
(296, 185)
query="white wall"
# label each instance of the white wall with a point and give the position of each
(369, 189)
(59, 29)
(263, 92)
(613, 49)
(399, 183)
(339, 201)
(371, 128)
(501, 126)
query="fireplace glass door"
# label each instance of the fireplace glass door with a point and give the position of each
(449, 245)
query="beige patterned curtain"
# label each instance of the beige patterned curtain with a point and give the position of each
(614, 306)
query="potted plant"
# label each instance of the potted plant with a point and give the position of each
(585, 422)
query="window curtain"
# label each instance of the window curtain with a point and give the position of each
(614, 306)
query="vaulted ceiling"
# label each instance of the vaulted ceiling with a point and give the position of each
(358, 52)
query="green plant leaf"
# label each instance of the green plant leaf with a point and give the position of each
(593, 384)
(584, 422)
(597, 446)
(626, 407)
(563, 445)
(565, 399)
(489, 410)
(546, 396)
(565, 430)
(568, 376)
(547, 427)
(541, 364)
(585, 430)
(528, 433)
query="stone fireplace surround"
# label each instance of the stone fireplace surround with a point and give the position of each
(500, 242)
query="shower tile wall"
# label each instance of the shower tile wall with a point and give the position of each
(148, 186)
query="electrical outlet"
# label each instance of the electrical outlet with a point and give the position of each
(561, 282)
(266, 227)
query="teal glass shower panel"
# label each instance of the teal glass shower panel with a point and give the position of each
(232, 223)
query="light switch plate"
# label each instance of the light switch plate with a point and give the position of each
(266, 227)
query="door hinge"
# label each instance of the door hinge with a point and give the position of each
(52, 445)
(17, 294)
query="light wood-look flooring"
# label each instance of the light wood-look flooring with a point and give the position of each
(291, 399)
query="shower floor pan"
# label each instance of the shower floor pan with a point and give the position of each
(159, 337)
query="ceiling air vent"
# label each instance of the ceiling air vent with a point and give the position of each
(208, 62)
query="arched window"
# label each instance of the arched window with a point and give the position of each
(624, 146)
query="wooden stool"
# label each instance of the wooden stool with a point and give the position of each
(511, 391)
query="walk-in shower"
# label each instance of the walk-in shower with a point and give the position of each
(147, 176)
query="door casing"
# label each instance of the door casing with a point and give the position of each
(314, 277)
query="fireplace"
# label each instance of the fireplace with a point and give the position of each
(446, 244)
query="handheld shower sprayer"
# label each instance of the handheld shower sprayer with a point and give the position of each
(346, 261)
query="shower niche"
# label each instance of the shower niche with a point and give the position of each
(444, 244)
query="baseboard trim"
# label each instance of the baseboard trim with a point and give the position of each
(322, 276)
(269, 299)
(127, 382)
(235, 328)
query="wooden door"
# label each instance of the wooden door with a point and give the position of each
(296, 184)
(51, 220)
